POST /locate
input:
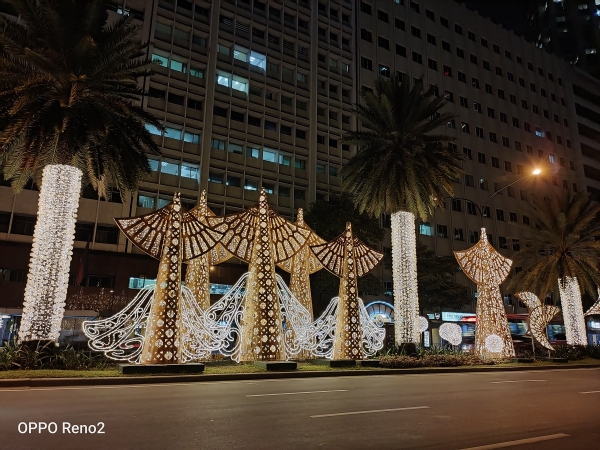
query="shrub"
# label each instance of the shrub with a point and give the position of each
(571, 352)
(433, 360)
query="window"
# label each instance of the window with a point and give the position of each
(456, 205)
(464, 102)
(416, 57)
(446, 46)
(233, 181)
(400, 50)
(508, 166)
(488, 88)
(479, 132)
(473, 59)
(491, 113)
(431, 64)
(502, 242)
(214, 177)
(462, 77)
(429, 14)
(469, 180)
(400, 24)
(493, 137)
(475, 83)
(471, 209)
(425, 229)
(366, 63)
(384, 71)
(460, 52)
(505, 141)
(107, 235)
(442, 231)
(473, 237)
(467, 152)
(481, 157)
(416, 32)
(477, 107)
(383, 43)
(431, 39)
(366, 35)
(495, 162)
(383, 16)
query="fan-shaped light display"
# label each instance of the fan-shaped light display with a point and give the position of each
(451, 332)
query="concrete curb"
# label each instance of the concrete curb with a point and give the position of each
(160, 379)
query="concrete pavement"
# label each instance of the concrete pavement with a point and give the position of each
(523, 410)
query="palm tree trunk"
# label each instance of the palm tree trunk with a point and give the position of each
(572, 310)
(51, 252)
(404, 270)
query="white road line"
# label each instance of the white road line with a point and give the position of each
(369, 412)
(519, 442)
(515, 381)
(296, 393)
(590, 392)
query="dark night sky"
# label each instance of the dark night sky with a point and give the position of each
(512, 14)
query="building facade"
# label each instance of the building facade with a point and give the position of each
(257, 94)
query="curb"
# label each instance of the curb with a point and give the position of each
(116, 381)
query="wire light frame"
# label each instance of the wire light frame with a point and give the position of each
(539, 317)
(51, 253)
(488, 269)
(262, 238)
(572, 308)
(404, 274)
(595, 309)
(300, 267)
(197, 275)
(451, 332)
(348, 258)
(172, 236)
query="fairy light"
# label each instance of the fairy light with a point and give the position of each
(488, 269)
(51, 252)
(451, 332)
(539, 317)
(494, 343)
(570, 299)
(404, 273)
(423, 324)
(595, 309)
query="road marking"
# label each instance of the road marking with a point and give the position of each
(369, 412)
(590, 392)
(516, 381)
(296, 393)
(519, 442)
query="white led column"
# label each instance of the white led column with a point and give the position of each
(404, 270)
(46, 289)
(572, 309)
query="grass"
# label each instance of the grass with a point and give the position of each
(228, 367)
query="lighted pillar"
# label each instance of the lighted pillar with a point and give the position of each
(572, 309)
(404, 272)
(51, 252)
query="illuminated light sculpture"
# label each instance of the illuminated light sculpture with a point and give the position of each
(494, 343)
(51, 252)
(99, 301)
(197, 275)
(348, 258)
(404, 274)
(172, 236)
(262, 238)
(451, 332)
(572, 309)
(300, 266)
(488, 269)
(539, 317)
(423, 324)
(595, 309)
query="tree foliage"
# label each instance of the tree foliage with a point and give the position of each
(435, 278)
(566, 242)
(69, 94)
(401, 165)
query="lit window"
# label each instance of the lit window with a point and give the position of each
(173, 133)
(160, 60)
(191, 137)
(169, 168)
(285, 160)
(240, 53)
(178, 66)
(146, 201)
(153, 164)
(223, 79)
(195, 72)
(239, 84)
(269, 155)
(259, 60)
(425, 229)
(251, 185)
(153, 130)
(190, 171)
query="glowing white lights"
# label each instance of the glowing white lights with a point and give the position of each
(423, 324)
(494, 343)
(570, 299)
(46, 289)
(595, 309)
(539, 317)
(404, 270)
(451, 332)
(488, 269)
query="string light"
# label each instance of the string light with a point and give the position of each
(51, 252)
(488, 269)
(348, 258)
(494, 343)
(423, 324)
(539, 317)
(451, 332)
(404, 274)
(570, 299)
(595, 309)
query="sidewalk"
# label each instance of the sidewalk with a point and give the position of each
(161, 379)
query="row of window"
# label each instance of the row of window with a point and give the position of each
(441, 231)
(250, 184)
(400, 24)
(176, 168)
(173, 132)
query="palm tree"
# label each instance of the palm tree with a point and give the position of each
(70, 112)
(401, 167)
(563, 252)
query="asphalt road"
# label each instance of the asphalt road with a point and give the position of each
(536, 410)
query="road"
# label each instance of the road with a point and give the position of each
(523, 410)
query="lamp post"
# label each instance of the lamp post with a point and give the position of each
(481, 208)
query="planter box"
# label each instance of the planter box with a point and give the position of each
(277, 365)
(128, 369)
